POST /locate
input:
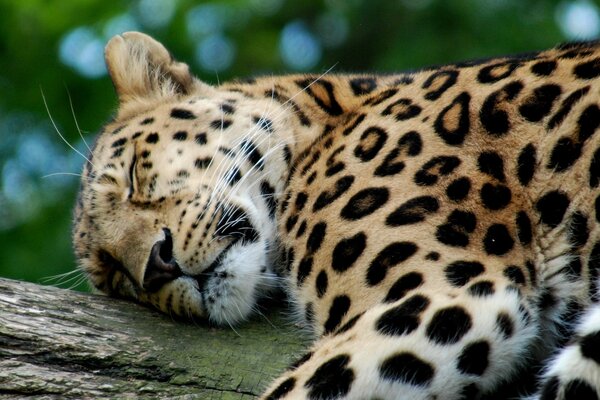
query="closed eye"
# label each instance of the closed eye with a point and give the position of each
(132, 181)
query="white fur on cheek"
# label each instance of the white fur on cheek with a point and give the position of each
(231, 292)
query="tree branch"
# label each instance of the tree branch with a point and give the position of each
(56, 343)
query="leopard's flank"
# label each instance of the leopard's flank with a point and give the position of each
(438, 230)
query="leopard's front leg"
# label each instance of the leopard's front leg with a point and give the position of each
(426, 345)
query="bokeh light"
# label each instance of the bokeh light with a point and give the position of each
(579, 20)
(215, 53)
(156, 13)
(333, 29)
(83, 50)
(119, 24)
(300, 50)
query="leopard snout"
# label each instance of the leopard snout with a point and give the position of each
(161, 267)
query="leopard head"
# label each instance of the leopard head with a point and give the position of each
(176, 205)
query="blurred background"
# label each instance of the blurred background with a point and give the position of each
(54, 90)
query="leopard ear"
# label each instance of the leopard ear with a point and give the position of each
(142, 69)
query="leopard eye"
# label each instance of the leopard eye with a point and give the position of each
(132, 180)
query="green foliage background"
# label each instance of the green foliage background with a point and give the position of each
(377, 35)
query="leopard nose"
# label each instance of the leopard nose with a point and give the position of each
(161, 267)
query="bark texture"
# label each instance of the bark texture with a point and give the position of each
(56, 343)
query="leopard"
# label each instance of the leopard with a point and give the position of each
(437, 230)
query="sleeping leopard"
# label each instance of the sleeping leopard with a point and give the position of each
(438, 230)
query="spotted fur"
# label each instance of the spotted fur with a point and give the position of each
(439, 231)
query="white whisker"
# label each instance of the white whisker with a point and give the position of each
(59, 133)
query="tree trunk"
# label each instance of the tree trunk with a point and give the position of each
(56, 343)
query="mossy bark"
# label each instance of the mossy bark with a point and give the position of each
(56, 343)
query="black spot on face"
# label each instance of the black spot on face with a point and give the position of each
(339, 308)
(458, 189)
(253, 154)
(152, 138)
(526, 164)
(180, 136)
(180, 113)
(201, 138)
(202, 163)
(453, 122)
(448, 325)
(497, 240)
(552, 207)
(330, 195)
(459, 273)
(407, 368)
(432, 256)
(490, 163)
(403, 285)
(267, 192)
(227, 108)
(331, 380)
(365, 202)
(119, 142)
(221, 124)
(402, 319)
(390, 256)
(147, 121)
(455, 231)
(233, 176)
(473, 360)
(264, 123)
(347, 251)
